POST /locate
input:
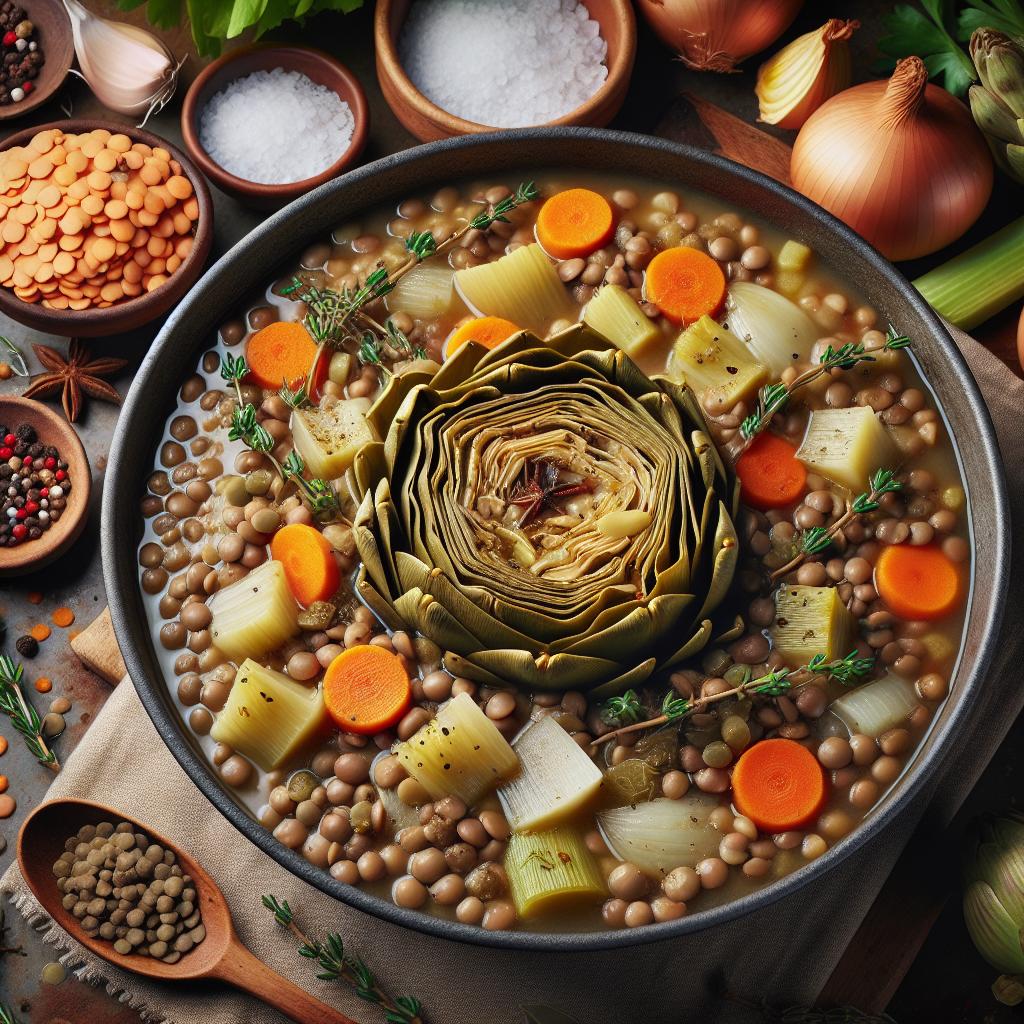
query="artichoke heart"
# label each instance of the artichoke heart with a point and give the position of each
(547, 514)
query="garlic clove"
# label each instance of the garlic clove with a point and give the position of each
(801, 76)
(129, 69)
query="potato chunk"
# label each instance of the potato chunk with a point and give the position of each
(847, 446)
(328, 437)
(810, 621)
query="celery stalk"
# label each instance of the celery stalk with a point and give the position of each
(978, 283)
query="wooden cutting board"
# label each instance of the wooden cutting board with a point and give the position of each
(706, 125)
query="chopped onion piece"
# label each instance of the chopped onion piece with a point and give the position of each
(876, 707)
(556, 778)
(777, 332)
(663, 834)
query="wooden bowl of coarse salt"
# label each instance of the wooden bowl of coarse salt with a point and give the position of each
(457, 67)
(267, 123)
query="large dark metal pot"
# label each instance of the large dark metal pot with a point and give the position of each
(838, 885)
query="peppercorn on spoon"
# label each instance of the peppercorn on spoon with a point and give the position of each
(219, 956)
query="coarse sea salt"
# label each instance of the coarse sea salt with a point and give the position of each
(275, 127)
(504, 63)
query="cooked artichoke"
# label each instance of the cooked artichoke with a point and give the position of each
(547, 514)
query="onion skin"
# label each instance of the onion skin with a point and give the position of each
(716, 35)
(1020, 340)
(901, 162)
(803, 75)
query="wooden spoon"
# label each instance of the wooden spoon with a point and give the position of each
(220, 955)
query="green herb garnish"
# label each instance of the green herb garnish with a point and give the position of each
(22, 714)
(337, 964)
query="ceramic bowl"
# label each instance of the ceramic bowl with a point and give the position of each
(133, 313)
(847, 875)
(428, 122)
(315, 65)
(52, 429)
(53, 30)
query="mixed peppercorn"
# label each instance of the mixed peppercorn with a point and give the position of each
(22, 56)
(34, 481)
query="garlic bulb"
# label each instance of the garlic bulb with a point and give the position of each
(802, 75)
(129, 69)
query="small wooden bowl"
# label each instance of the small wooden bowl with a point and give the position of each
(54, 430)
(315, 65)
(429, 122)
(124, 316)
(53, 28)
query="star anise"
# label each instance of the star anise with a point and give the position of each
(540, 489)
(71, 376)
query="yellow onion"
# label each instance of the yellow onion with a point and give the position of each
(715, 35)
(900, 161)
(801, 76)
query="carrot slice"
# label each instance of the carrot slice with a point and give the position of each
(917, 582)
(308, 562)
(771, 476)
(366, 689)
(489, 331)
(685, 284)
(574, 223)
(779, 785)
(281, 352)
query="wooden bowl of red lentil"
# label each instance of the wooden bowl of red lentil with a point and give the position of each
(429, 122)
(123, 314)
(53, 430)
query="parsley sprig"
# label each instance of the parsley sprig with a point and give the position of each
(627, 710)
(818, 539)
(335, 963)
(774, 397)
(22, 714)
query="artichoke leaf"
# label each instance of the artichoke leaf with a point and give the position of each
(697, 642)
(385, 407)
(381, 606)
(466, 668)
(368, 467)
(434, 621)
(544, 672)
(642, 628)
(726, 555)
(633, 677)
(995, 934)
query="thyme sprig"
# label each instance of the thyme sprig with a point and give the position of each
(773, 397)
(336, 317)
(337, 964)
(294, 398)
(775, 683)
(7, 1015)
(818, 538)
(319, 495)
(22, 714)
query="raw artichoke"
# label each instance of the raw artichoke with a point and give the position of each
(998, 103)
(994, 900)
(547, 514)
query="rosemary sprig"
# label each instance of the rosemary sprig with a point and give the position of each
(22, 714)
(818, 538)
(336, 964)
(775, 683)
(14, 357)
(773, 397)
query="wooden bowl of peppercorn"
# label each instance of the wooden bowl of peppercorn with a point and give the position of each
(31, 430)
(39, 73)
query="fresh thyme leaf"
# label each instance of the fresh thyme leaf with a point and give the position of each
(895, 341)
(232, 368)
(773, 684)
(623, 709)
(815, 540)
(293, 465)
(674, 707)
(421, 244)
(525, 193)
(14, 357)
(7, 1015)
(296, 398)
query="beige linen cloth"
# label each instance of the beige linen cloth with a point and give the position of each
(785, 951)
